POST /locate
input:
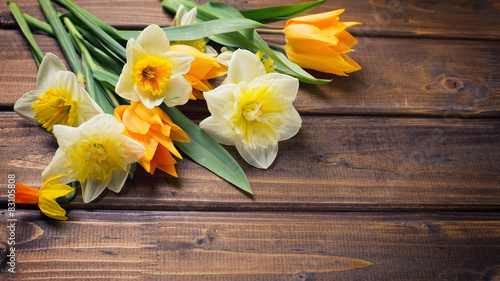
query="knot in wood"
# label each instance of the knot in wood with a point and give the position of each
(452, 83)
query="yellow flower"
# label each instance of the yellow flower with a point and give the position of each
(153, 73)
(253, 110)
(96, 154)
(45, 197)
(156, 132)
(203, 67)
(58, 99)
(320, 42)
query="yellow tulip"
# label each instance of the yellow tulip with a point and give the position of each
(45, 197)
(203, 67)
(320, 42)
(155, 131)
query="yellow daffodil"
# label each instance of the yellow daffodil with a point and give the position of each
(46, 197)
(320, 42)
(203, 67)
(156, 132)
(153, 73)
(253, 110)
(58, 99)
(96, 154)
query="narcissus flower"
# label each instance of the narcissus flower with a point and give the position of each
(96, 154)
(320, 42)
(153, 73)
(46, 197)
(58, 99)
(253, 110)
(203, 67)
(156, 132)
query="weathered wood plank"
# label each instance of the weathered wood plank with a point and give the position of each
(258, 245)
(456, 19)
(334, 163)
(399, 76)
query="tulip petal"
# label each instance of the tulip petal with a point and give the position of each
(324, 60)
(134, 123)
(150, 116)
(320, 20)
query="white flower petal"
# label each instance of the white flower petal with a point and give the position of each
(220, 131)
(125, 87)
(181, 62)
(118, 178)
(66, 135)
(23, 105)
(189, 17)
(91, 189)
(292, 125)
(225, 58)
(259, 157)
(244, 66)
(48, 67)
(220, 100)
(282, 84)
(133, 150)
(148, 100)
(181, 11)
(56, 167)
(154, 40)
(209, 50)
(134, 52)
(180, 88)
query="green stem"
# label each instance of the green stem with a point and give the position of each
(276, 46)
(270, 31)
(23, 25)
(38, 24)
(62, 36)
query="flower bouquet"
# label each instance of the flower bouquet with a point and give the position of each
(116, 107)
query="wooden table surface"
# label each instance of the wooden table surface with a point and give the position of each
(394, 175)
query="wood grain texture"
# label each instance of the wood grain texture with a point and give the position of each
(334, 163)
(149, 245)
(411, 18)
(399, 76)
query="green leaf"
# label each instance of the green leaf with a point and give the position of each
(200, 30)
(207, 152)
(276, 13)
(23, 25)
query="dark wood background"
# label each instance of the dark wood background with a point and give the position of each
(394, 175)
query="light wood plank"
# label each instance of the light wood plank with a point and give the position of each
(118, 245)
(411, 18)
(334, 163)
(399, 76)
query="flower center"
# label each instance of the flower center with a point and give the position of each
(152, 74)
(94, 158)
(252, 113)
(54, 107)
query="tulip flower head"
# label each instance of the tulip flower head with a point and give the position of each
(96, 154)
(153, 73)
(320, 42)
(253, 110)
(58, 100)
(46, 197)
(155, 131)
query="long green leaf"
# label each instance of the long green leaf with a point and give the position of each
(23, 25)
(200, 30)
(276, 13)
(207, 152)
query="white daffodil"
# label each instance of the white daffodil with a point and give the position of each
(253, 110)
(96, 154)
(58, 99)
(153, 74)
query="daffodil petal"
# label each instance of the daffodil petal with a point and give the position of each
(118, 178)
(133, 150)
(181, 62)
(220, 100)
(23, 105)
(154, 40)
(244, 66)
(179, 88)
(293, 124)
(220, 131)
(285, 85)
(48, 67)
(65, 135)
(125, 87)
(56, 167)
(51, 208)
(91, 189)
(26, 194)
(258, 157)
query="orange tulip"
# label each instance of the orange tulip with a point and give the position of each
(203, 67)
(320, 42)
(156, 132)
